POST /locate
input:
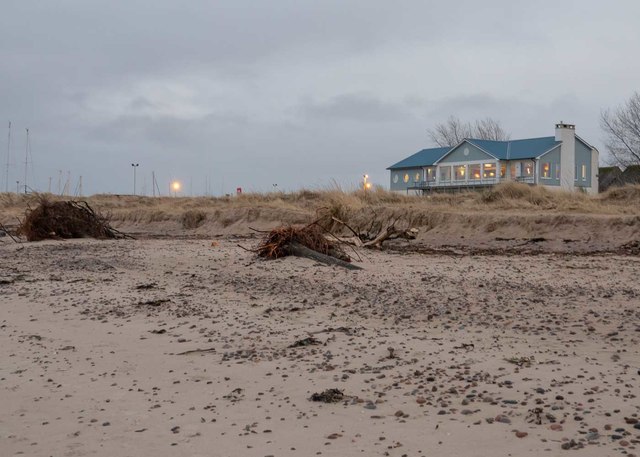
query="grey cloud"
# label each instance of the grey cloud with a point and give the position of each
(357, 107)
(295, 92)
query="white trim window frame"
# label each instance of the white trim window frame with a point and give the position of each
(467, 180)
(543, 171)
(457, 169)
(441, 182)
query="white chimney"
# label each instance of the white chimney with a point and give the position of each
(567, 134)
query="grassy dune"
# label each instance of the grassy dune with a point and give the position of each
(510, 209)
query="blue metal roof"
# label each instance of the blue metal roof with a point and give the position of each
(528, 148)
(423, 158)
(517, 149)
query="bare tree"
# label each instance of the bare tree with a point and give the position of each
(622, 131)
(453, 131)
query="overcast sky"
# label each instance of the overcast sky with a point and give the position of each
(292, 92)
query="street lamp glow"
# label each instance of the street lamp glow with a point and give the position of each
(175, 186)
(365, 183)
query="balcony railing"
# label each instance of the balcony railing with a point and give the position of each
(470, 182)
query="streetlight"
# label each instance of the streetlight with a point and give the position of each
(365, 184)
(175, 187)
(134, 165)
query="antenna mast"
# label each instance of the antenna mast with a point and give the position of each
(154, 184)
(66, 190)
(8, 159)
(78, 190)
(26, 162)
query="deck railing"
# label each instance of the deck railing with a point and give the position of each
(470, 182)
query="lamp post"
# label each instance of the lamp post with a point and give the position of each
(365, 184)
(134, 166)
(175, 187)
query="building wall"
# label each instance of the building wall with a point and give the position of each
(397, 178)
(553, 159)
(465, 153)
(583, 157)
(595, 164)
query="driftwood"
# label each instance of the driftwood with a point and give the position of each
(8, 233)
(299, 250)
(375, 234)
(276, 242)
(391, 233)
(311, 241)
(198, 351)
(66, 219)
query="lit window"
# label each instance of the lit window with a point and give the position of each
(583, 172)
(475, 171)
(489, 170)
(546, 170)
(417, 177)
(431, 176)
(527, 168)
(461, 172)
(395, 178)
(503, 170)
(445, 173)
(406, 177)
(514, 172)
(558, 171)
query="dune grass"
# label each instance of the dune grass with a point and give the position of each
(503, 204)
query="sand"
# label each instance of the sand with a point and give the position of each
(181, 347)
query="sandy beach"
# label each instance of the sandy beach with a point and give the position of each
(198, 348)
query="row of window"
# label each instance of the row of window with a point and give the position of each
(546, 171)
(472, 172)
(488, 171)
(485, 171)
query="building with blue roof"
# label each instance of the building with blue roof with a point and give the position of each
(563, 161)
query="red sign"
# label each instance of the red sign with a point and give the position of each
(239, 190)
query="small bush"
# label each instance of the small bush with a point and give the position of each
(516, 191)
(65, 219)
(193, 219)
(623, 193)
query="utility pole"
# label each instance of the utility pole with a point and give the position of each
(134, 165)
(49, 190)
